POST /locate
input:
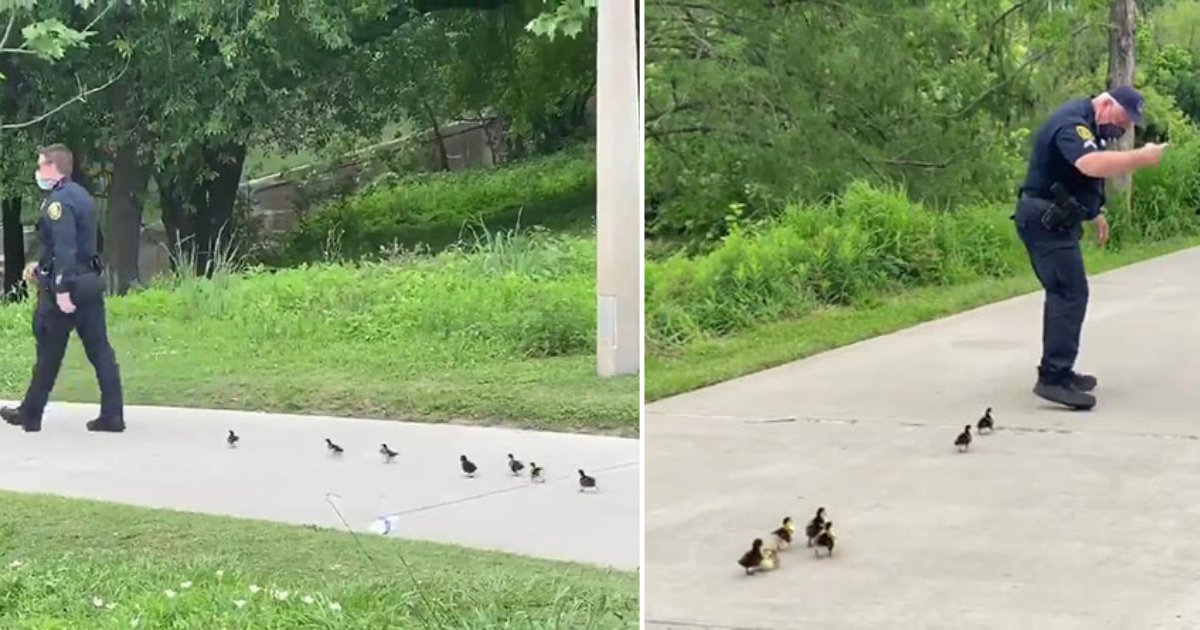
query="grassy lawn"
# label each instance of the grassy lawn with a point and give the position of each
(71, 564)
(499, 336)
(712, 360)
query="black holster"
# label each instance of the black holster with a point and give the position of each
(1062, 213)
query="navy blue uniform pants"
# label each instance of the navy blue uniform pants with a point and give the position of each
(1058, 263)
(52, 330)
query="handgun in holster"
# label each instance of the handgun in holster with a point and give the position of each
(1064, 211)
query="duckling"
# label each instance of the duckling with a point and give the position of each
(963, 441)
(758, 558)
(388, 454)
(468, 467)
(535, 473)
(334, 449)
(515, 465)
(232, 439)
(783, 535)
(986, 424)
(825, 539)
(586, 482)
(814, 527)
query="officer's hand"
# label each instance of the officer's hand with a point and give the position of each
(65, 304)
(1101, 229)
(30, 270)
(1153, 152)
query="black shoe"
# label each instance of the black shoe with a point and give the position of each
(1083, 382)
(16, 417)
(106, 425)
(1065, 395)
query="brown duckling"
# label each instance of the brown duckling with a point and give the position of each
(825, 539)
(963, 441)
(815, 526)
(783, 535)
(986, 423)
(758, 558)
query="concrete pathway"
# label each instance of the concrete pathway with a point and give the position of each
(1058, 520)
(281, 471)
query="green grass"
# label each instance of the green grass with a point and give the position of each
(64, 562)
(501, 334)
(710, 360)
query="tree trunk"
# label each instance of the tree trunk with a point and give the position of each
(443, 159)
(124, 217)
(214, 200)
(1122, 14)
(14, 248)
(177, 218)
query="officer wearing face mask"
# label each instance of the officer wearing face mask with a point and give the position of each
(1063, 188)
(70, 296)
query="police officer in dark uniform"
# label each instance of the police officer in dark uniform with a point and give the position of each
(70, 296)
(1064, 187)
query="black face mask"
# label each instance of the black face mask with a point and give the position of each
(1110, 132)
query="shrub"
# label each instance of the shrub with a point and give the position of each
(437, 209)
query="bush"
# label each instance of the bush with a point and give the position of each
(868, 242)
(434, 209)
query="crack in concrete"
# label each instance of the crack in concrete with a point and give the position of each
(490, 493)
(926, 425)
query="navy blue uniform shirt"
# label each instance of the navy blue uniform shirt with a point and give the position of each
(67, 230)
(1069, 134)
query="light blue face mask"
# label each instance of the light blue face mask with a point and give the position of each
(43, 182)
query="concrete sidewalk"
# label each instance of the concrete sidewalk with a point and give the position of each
(281, 471)
(1057, 520)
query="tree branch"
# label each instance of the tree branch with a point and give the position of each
(78, 98)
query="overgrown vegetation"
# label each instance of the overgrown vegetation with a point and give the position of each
(437, 209)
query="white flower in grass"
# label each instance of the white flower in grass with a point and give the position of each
(135, 622)
(110, 605)
(280, 595)
(334, 606)
(239, 602)
(308, 599)
(97, 602)
(254, 588)
(169, 593)
(185, 585)
(15, 564)
(220, 573)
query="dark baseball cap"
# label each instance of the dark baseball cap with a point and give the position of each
(1131, 101)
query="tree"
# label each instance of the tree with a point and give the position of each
(1120, 71)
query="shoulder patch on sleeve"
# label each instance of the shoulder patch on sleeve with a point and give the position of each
(1084, 133)
(54, 211)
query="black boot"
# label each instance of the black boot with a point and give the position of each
(1064, 394)
(1083, 382)
(17, 418)
(107, 425)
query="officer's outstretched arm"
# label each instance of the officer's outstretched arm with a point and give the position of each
(62, 228)
(1112, 163)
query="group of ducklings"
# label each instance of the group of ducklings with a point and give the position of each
(986, 424)
(763, 557)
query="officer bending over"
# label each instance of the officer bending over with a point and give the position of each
(1063, 188)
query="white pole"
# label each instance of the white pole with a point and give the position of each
(618, 190)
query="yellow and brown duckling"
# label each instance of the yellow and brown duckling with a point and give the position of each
(825, 539)
(963, 441)
(815, 526)
(986, 423)
(515, 465)
(388, 454)
(536, 473)
(758, 558)
(783, 535)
